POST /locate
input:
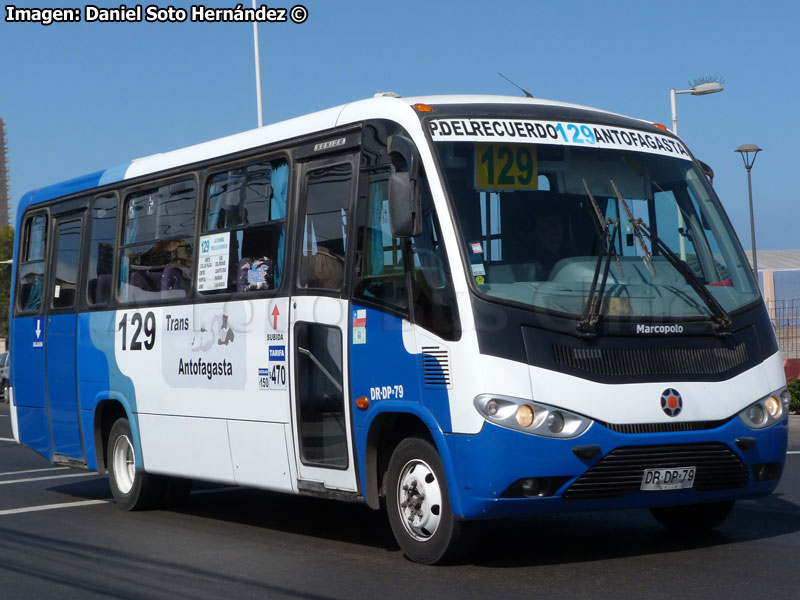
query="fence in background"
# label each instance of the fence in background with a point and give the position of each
(785, 317)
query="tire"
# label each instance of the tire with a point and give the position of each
(131, 488)
(418, 505)
(693, 518)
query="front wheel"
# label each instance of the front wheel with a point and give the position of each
(132, 489)
(418, 505)
(693, 518)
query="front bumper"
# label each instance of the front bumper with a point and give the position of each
(489, 463)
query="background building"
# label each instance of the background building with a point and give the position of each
(5, 190)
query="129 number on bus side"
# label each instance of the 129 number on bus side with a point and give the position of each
(142, 331)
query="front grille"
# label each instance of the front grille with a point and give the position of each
(664, 427)
(651, 361)
(621, 470)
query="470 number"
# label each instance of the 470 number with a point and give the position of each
(138, 325)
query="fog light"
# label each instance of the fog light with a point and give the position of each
(555, 422)
(531, 487)
(773, 406)
(525, 415)
(491, 408)
(756, 414)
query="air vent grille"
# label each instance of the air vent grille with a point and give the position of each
(651, 361)
(665, 427)
(436, 366)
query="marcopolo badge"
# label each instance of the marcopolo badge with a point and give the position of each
(671, 402)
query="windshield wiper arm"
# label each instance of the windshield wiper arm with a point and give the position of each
(594, 302)
(721, 318)
(635, 225)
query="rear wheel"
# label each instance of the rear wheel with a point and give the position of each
(132, 489)
(418, 505)
(693, 518)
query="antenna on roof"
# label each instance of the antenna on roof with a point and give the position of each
(524, 91)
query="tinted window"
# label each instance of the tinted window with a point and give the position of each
(156, 260)
(30, 273)
(101, 250)
(380, 270)
(68, 249)
(325, 228)
(161, 213)
(243, 248)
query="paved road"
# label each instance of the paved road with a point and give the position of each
(246, 544)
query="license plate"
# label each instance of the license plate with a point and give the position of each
(668, 479)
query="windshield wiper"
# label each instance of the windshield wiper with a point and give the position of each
(594, 302)
(722, 319)
(635, 225)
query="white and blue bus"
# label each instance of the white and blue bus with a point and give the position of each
(464, 307)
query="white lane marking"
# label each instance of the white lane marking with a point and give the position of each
(34, 471)
(26, 509)
(48, 477)
(793, 452)
(7, 440)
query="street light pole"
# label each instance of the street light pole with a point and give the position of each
(672, 97)
(258, 71)
(749, 152)
(701, 89)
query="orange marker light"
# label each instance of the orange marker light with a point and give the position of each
(423, 107)
(362, 402)
(660, 126)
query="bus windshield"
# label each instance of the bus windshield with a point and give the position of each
(560, 227)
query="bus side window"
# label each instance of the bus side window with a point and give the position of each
(31, 269)
(67, 252)
(101, 250)
(433, 295)
(158, 243)
(380, 272)
(325, 228)
(246, 211)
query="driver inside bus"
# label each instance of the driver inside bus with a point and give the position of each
(547, 245)
(536, 240)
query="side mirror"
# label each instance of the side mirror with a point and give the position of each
(707, 171)
(405, 207)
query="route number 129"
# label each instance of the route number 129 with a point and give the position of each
(138, 325)
(506, 167)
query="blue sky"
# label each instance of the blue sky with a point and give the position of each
(82, 97)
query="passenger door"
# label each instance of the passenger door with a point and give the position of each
(322, 422)
(60, 345)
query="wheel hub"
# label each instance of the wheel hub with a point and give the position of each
(419, 500)
(124, 464)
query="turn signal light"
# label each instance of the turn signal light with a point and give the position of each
(661, 126)
(423, 107)
(362, 402)
(525, 415)
(773, 406)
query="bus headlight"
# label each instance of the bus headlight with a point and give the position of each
(525, 415)
(530, 417)
(767, 411)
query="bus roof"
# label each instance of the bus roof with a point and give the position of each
(385, 105)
